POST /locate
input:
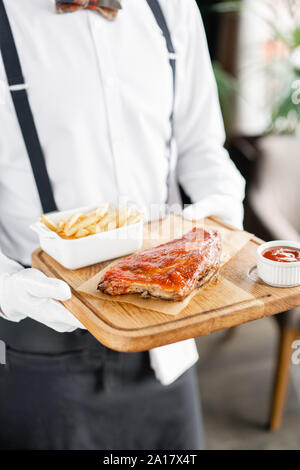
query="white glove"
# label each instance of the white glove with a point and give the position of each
(29, 293)
(218, 205)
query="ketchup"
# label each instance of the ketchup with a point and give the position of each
(283, 254)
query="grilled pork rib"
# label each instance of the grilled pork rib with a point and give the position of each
(170, 271)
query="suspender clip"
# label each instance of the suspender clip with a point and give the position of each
(20, 87)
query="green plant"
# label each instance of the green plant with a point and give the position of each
(284, 69)
(282, 59)
(227, 88)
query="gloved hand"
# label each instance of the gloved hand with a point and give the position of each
(29, 293)
(218, 205)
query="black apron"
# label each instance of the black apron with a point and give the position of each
(66, 390)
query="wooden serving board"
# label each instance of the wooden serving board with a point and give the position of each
(238, 297)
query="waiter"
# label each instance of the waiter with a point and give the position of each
(102, 100)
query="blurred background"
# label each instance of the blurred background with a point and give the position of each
(250, 390)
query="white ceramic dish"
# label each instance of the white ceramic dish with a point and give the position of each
(82, 252)
(276, 273)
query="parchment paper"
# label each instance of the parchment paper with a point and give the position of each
(160, 232)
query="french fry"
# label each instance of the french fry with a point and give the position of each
(92, 229)
(70, 226)
(102, 219)
(134, 219)
(123, 215)
(107, 219)
(61, 225)
(111, 225)
(45, 220)
(86, 221)
(90, 214)
(82, 233)
(101, 211)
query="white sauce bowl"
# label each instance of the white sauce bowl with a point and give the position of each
(278, 273)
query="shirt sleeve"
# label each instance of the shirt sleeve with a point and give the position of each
(204, 168)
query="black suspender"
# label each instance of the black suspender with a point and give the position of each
(23, 110)
(161, 21)
(26, 121)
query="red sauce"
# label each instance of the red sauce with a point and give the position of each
(283, 254)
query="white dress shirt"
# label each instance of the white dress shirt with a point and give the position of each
(101, 95)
